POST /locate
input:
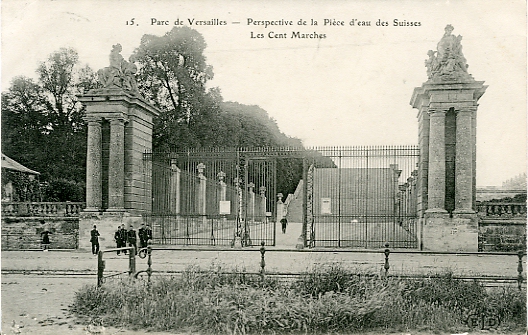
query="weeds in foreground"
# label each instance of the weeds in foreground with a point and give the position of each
(329, 299)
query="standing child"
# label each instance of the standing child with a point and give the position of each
(45, 236)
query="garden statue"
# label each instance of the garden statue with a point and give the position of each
(448, 62)
(120, 73)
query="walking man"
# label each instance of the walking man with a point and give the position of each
(284, 223)
(94, 239)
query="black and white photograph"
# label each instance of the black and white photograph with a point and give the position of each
(263, 167)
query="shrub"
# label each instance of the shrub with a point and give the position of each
(329, 299)
(64, 190)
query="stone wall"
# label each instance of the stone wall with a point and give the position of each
(502, 235)
(23, 233)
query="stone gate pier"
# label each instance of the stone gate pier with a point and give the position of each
(447, 106)
(120, 124)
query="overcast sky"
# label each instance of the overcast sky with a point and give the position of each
(351, 88)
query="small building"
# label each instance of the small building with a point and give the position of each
(17, 180)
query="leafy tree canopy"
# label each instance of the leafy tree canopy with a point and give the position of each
(42, 124)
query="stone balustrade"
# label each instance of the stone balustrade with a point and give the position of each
(501, 209)
(11, 208)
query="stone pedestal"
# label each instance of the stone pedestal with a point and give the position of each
(444, 233)
(118, 182)
(447, 224)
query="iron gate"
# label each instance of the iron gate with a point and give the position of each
(212, 197)
(362, 197)
(353, 196)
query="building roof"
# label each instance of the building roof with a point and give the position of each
(11, 164)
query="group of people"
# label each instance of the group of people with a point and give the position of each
(122, 237)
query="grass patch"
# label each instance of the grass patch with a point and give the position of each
(324, 300)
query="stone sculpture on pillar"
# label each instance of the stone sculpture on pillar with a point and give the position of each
(448, 62)
(120, 73)
(120, 121)
(445, 182)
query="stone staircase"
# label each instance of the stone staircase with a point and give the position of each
(294, 204)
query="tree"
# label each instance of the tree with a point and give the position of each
(251, 126)
(172, 74)
(42, 124)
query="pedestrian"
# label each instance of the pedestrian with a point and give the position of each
(117, 239)
(142, 236)
(132, 238)
(44, 234)
(284, 223)
(94, 239)
(145, 234)
(149, 233)
(123, 238)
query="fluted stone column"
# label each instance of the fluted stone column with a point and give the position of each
(436, 179)
(94, 191)
(464, 162)
(474, 155)
(116, 165)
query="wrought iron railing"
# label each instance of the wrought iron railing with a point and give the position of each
(11, 208)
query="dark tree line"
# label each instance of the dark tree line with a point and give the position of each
(43, 129)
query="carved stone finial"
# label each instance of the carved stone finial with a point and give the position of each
(200, 167)
(120, 73)
(448, 62)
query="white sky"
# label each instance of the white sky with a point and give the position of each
(351, 88)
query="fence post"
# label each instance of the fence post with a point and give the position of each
(149, 261)
(262, 262)
(132, 261)
(520, 269)
(100, 268)
(387, 253)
